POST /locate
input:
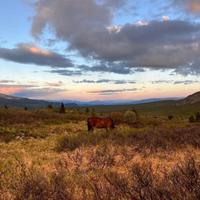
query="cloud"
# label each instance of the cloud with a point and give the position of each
(105, 81)
(161, 81)
(58, 84)
(65, 72)
(39, 93)
(6, 81)
(17, 85)
(117, 68)
(165, 18)
(32, 90)
(31, 54)
(10, 87)
(192, 6)
(114, 4)
(165, 44)
(110, 92)
(186, 82)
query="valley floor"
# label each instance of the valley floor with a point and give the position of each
(47, 155)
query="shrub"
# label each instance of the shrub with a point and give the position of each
(50, 107)
(197, 115)
(62, 108)
(192, 119)
(170, 117)
(87, 110)
(130, 117)
(117, 117)
(93, 112)
(33, 184)
(70, 142)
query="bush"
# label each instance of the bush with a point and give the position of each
(98, 179)
(70, 142)
(170, 117)
(87, 110)
(62, 108)
(197, 115)
(130, 117)
(33, 184)
(117, 117)
(93, 112)
(50, 107)
(192, 119)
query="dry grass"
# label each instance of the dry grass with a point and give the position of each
(46, 155)
(74, 180)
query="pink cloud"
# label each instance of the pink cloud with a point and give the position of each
(9, 90)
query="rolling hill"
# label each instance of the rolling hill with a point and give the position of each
(191, 99)
(19, 102)
(116, 104)
(13, 101)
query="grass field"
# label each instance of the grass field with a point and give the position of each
(47, 155)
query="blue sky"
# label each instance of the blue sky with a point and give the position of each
(96, 50)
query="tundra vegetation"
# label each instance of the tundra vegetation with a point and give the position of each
(46, 155)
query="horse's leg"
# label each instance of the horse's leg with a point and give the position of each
(89, 127)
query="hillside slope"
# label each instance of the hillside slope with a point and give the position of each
(21, 102)
(191, 99)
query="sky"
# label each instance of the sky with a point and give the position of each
(99, 49)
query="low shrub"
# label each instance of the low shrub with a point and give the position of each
(170, 117)
(117, 117)
(192, 119)
(197, 116)
(70, 142)
(139, 182)
(130, 117)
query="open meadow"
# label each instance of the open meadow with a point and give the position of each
(48, 155)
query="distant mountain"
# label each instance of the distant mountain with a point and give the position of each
(12, 101)
(4, 96)
(118, 102)
(191, 99)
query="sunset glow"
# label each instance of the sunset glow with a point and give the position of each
(99, 50)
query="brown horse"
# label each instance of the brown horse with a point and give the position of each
(96, 122)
